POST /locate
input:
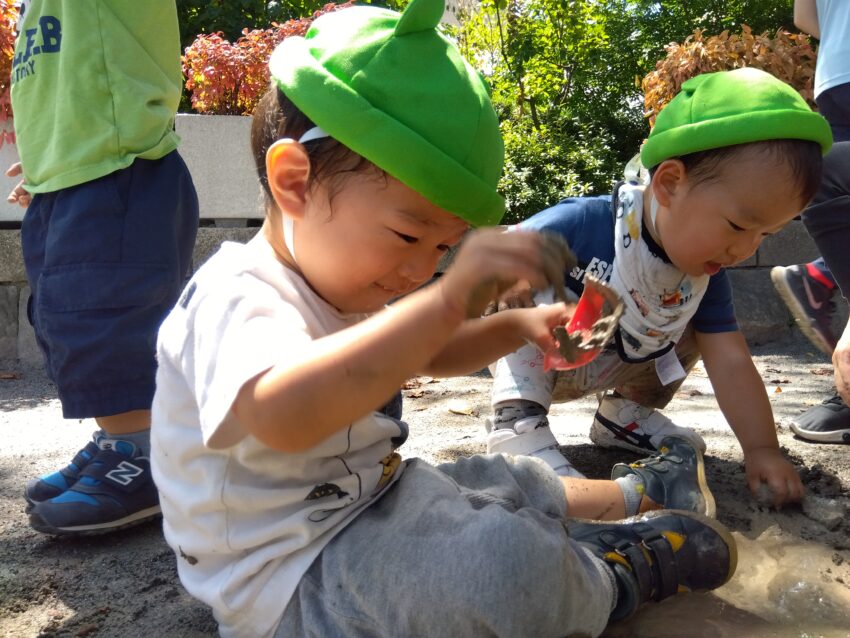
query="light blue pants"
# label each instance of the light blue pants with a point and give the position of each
(472, 548)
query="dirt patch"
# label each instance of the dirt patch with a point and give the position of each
(794, 568)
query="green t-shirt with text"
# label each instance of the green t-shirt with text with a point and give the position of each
(95, 84)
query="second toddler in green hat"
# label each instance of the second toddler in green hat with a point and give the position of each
(733, 158)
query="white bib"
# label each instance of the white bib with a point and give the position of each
(659, 298)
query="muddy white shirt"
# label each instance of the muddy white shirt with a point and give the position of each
(246, 521)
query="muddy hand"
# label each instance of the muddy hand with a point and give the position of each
(558, 259)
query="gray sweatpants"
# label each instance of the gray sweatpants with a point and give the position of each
(472, 548)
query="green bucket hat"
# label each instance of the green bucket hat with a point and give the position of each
(732, 107)
(396, 91)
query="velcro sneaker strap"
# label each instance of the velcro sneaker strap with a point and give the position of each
(119, 471)
(526, 443)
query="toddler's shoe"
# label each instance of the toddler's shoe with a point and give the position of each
(620, 423)
(674, 478)
(828, 422)
(809, 301)
(658, 554)
(115, 489)
(530, 436)
(52, 485)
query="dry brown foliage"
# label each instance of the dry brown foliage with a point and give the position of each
(788, 56)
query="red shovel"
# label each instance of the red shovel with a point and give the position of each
(589, 330)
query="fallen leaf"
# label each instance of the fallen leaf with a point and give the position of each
(821, 372)
(8, 376)
(461, 407)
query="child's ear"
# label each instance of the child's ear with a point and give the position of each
(668, 178)
(288, 172)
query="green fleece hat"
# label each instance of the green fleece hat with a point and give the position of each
(396, 91)
(732, 107)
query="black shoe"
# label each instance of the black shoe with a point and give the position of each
(828, 422)
(809, 301)
(658, 554)
(674, 478)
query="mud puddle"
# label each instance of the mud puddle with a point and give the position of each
(783, 588)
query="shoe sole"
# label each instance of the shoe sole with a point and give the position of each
(710, 503)
(801, 318)
(839, 436)
(150, 513)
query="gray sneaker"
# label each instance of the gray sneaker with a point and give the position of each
(656, 555)
(674, 478)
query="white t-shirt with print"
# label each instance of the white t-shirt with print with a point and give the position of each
(245, 520)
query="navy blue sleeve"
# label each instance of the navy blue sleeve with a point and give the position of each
(716, 311)
(566, 218)
(588, 226)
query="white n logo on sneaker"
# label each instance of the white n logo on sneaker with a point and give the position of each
(124, 473)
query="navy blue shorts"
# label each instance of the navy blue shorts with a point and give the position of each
(106, 261)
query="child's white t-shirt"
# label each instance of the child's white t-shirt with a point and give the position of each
(246, 521)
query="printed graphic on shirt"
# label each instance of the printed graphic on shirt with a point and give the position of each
(676, 297)
(41, 39)
(597, 267)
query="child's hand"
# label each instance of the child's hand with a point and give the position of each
(491, 261)
(535, 325)
(767, 466)
(520, 295)
(18, 195)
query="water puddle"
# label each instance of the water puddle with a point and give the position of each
(783, 588)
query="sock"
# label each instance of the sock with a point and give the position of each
(509, 412)
(632, 488)
(141, 439)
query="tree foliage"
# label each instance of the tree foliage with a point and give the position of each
(566, 81)
(8, 18)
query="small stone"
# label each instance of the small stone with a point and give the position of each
(826, 511)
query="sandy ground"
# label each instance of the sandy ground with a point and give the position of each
(794, 569)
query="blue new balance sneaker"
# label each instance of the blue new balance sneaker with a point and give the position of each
(114, 490)
(53, 484)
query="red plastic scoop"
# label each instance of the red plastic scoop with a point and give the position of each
(589, 330)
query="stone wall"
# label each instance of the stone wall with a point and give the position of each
(216, 150)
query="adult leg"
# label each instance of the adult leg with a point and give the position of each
(807, 289)
(828, 222)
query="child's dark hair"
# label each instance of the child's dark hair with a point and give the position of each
(276, 117)
(802, 157)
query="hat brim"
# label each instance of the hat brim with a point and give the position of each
(744, 128)
(380, 138)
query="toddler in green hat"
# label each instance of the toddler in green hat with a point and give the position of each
(277, 418)
(733, 158)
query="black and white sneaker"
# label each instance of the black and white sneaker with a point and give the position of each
(828, 422)
(810, 303)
